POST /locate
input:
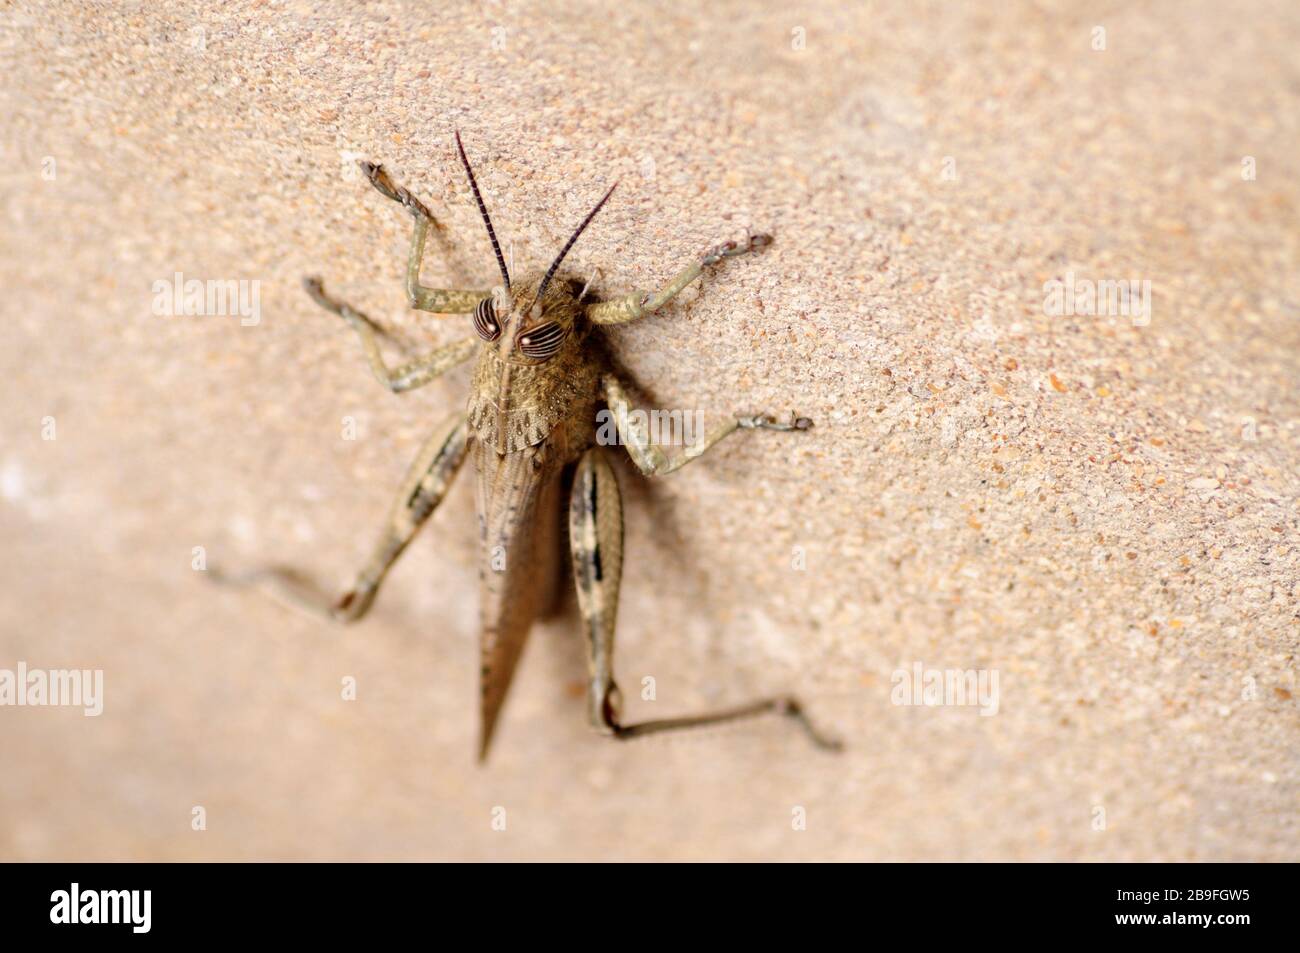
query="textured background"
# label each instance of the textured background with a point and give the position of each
(1105, 514)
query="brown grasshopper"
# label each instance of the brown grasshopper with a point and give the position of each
(540, 378)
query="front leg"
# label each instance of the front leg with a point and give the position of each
(653, 460)
(398, 379)
(596, 542)
(441, 300)
(639, 303)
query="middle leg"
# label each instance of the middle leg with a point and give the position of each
(653, 460)
(408, 376)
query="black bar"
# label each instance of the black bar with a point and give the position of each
(928, 902)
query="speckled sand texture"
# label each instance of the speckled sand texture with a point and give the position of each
(1104, 514)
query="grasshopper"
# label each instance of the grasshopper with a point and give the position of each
(541, 375)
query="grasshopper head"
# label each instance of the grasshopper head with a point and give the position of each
(534, 320)
(529, 328)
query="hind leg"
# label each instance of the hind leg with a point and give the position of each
(426, 484)
(596, 540)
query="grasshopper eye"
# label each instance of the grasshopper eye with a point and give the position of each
(485, 320)
(542, 342)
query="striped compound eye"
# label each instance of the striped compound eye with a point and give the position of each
(485, 320)
(542, 342)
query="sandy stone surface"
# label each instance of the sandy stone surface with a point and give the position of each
(1102, 511)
